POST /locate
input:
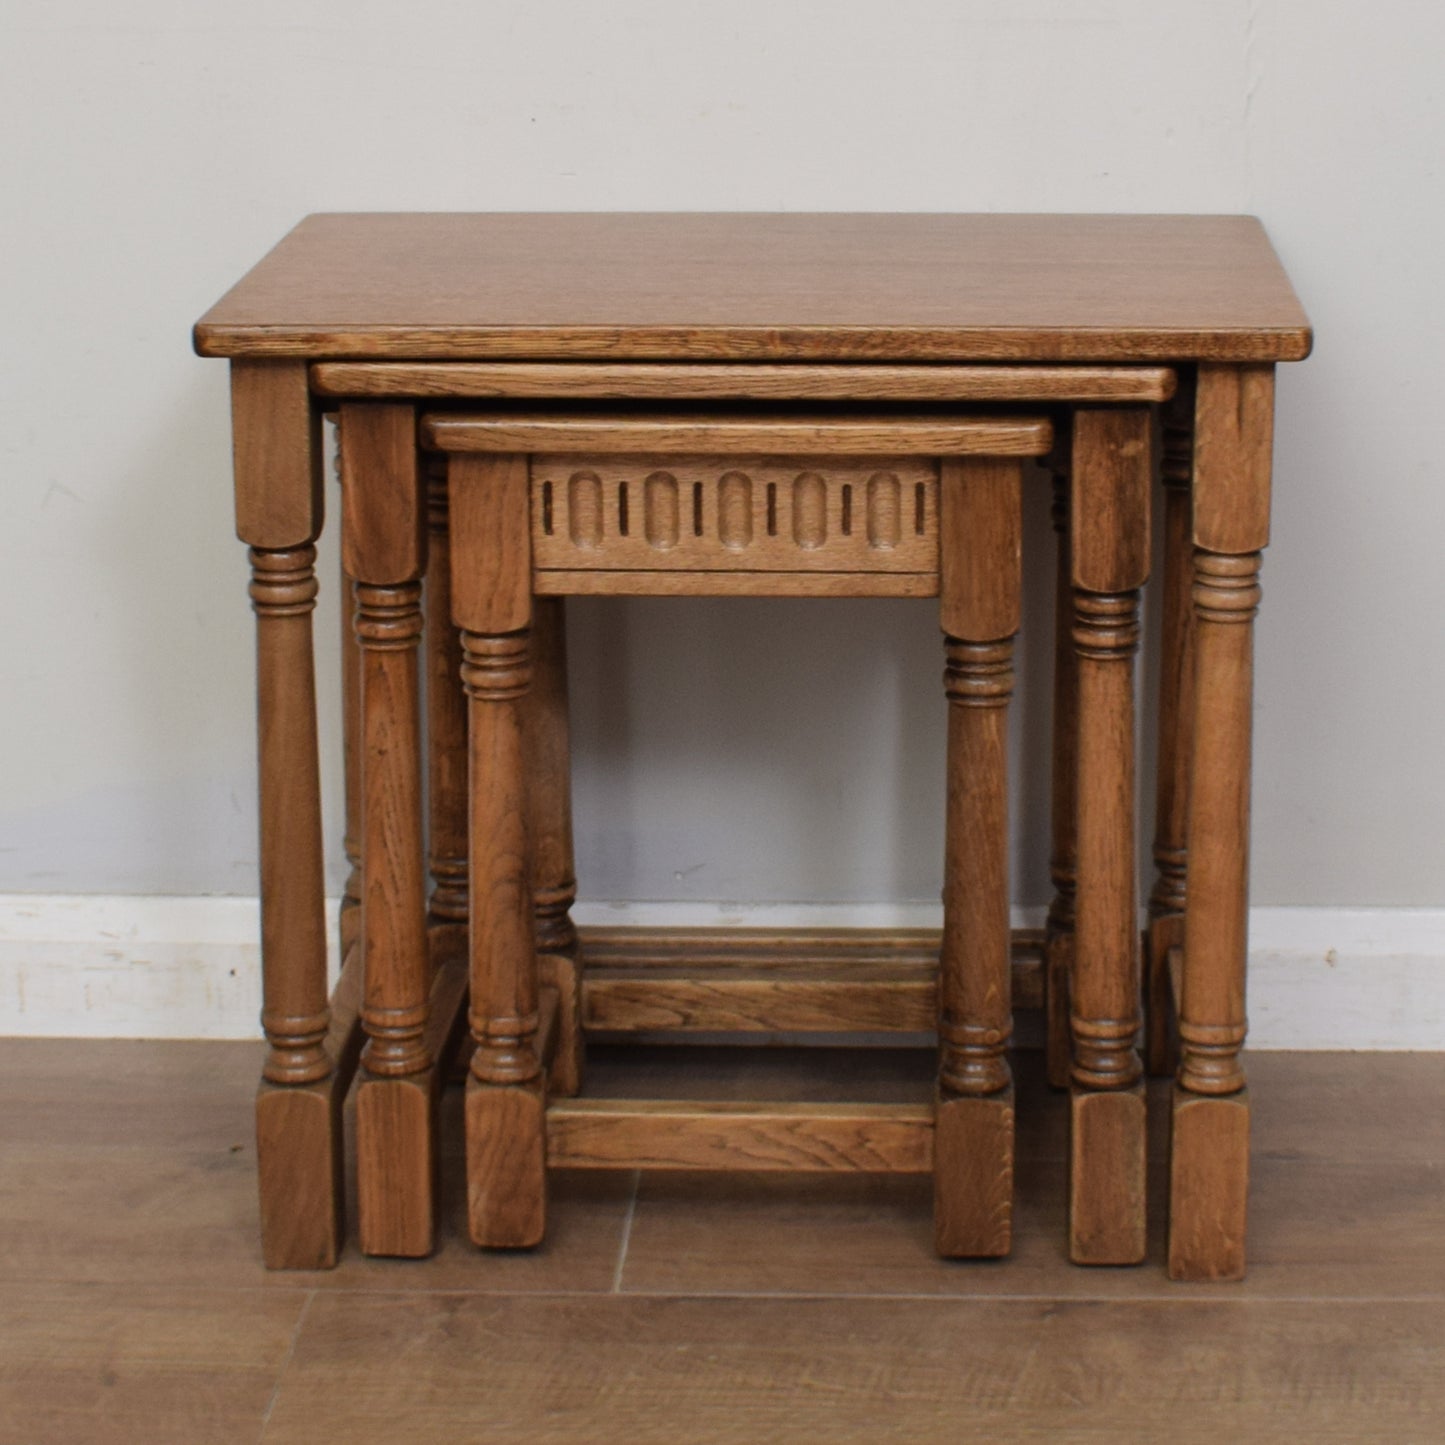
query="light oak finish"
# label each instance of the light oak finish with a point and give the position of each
(506, 1090)
(554, 875)
(798, 1138)
(1109, 550)
(758, 287)
(349, 923)
(1164, 934)
(980, 562)
(275, 455)
(967, 528)
(383, 544)
(1233, 436)
(298, 1144)
(613, 433)
(873, 325)
(277, 460)
(699, 381)
(446, 715)
(828, 981)
(735, 514)
(601, 583)
(1063, 785)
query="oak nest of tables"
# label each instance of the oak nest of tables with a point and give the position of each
(531, 407)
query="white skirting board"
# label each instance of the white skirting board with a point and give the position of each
(91, 966)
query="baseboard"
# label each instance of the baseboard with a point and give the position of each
(88, 966)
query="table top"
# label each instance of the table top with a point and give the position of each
(724, 286)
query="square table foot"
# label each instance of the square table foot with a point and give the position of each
(1107, 1176)
(506, 1163)
(298, 1154)
(973, 1166)
(396, 1164)
(1208, 1185)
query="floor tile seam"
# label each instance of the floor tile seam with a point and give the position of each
(285, 1366)
(898, 1297)
(625, 1239)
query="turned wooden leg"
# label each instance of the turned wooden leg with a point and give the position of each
(1063, 868)
(350, 921)
(1209, 1167)
(1165, 931)
(298, 1106)
(1110, 514)
(446, 714)
(506, 1092)
(974, 1111)
(383, 544)
(554, 881)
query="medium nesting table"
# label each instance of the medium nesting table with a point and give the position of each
(1110, 331)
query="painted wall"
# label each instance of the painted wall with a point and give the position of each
(773, 751)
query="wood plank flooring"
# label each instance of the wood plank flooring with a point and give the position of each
(133, 1305)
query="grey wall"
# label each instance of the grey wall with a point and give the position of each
(747, 750)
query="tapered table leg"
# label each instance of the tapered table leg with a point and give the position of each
(1110, 517)
(446, 715)
(298, 1107)
(383, 545)
(1165, 930)
(350, 921)
(1063, 863)
(1209, 1168)
(974, 1112)
(506, 1091)
(554, 880)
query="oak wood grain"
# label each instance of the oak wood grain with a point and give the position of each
(758, 980)
(276, 455)
(1063, 782)
(1174, 722)
(734, 513)
(606, 583)
(1112, 473)
(759, 287)
(735, 381)
(554, 876)
(641, 432)
(446, 714)
(674, 1134)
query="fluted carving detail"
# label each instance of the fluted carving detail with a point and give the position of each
(1226, 588)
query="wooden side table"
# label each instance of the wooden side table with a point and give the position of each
(384, 312)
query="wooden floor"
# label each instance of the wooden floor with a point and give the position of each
(133, 1305)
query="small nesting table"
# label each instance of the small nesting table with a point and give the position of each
(1127, 339)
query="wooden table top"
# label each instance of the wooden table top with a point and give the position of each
(668, 286)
